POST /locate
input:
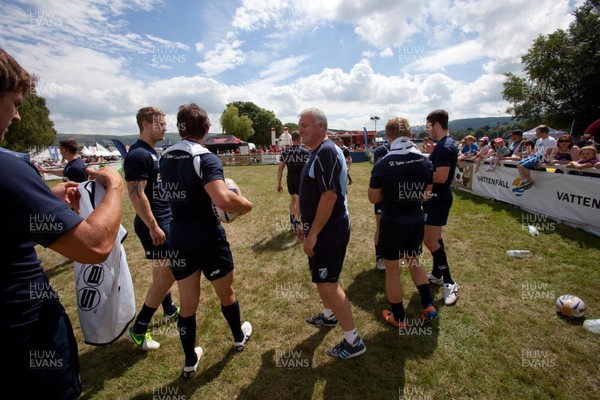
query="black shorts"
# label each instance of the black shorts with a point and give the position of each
(152, 252)
(199, 247)
(378, 207)
(437, 210)
(397, 241)
(46, 363)
(326, 264)
(293, 185)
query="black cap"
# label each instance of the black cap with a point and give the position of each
(517, 132)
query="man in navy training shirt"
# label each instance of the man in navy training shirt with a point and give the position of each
(75, 170)
(444, 158)
(400, 181)
(378, 154)
(151, 222)
(41, 350)
(194, 180)
(325, 229)
(294, 157)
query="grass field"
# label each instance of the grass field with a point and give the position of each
(502, 340)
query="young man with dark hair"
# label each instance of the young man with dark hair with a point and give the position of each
(75, 170)
(401, 181)
(151, 222)
(325, 229)
(194, 180)
(41, 350)
(444, 158)
(294, 157)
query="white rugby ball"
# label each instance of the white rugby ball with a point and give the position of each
(570, 306)
(224, 216)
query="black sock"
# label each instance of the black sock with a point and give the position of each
(398, 311)
(168, 306)
(143, 319)
(441, 242)
(187, 335)
(377, 254)
(425, 292)
(232, 315)
(441, 263)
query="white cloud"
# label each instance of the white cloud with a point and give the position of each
(226, 55)
(387, 53)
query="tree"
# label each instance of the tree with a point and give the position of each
(262, 121)
(562, 69)
(233, 124)
(292, 126)
(35, 129)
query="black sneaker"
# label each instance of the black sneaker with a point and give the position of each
(320, 320)
(345, 350)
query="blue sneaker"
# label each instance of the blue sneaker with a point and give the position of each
(429, 313)
(320, 320)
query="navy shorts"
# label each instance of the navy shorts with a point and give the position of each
(326, 264)
(397, 241)
(152, 252)
(293, 185)
(199, 247)
(437, 209)
(378, 207)
(46, 364)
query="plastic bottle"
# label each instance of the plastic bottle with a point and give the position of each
(519, 253)
(533, 230)
(592, 325)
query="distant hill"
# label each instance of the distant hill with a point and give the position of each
(474, 123)
(458, 124)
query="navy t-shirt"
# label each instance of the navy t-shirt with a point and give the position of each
(403, 179)
(381, 151)
(325, 170)
(141, 164)
(185, 189)
(444, 154)
(75, 170)
(30, 214)
(294, 158)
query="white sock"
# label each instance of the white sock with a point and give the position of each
(327, 313)
(351, 336)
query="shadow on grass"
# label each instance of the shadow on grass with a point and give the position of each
(378, 374)
(282, 241)
(186, 388)
(105, 363)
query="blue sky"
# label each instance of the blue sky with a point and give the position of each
(99, 62)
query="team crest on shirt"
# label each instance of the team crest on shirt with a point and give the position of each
(322, 273)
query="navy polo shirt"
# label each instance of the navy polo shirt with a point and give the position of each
(141, 164)
(381, 151)
(31, 214)
(294, 158)
(444, 154)
(75, 170)
(185, 189)
(325, 170)
(403, 179)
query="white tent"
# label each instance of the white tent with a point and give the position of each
(86, 152)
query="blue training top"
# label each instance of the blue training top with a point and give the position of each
(444, 154)
(325, 170)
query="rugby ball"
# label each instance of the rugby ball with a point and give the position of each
(570, 306)
(224, 216)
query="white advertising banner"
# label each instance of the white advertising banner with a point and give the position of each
(567, 198)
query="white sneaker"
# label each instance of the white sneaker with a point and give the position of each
(450, 293)
(190, 372)
(434, 280)
(144, 340)
(379, 266)
(247, 329)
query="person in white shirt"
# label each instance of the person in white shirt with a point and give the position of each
(544, 146)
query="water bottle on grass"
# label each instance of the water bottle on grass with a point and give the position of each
(519, 253)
